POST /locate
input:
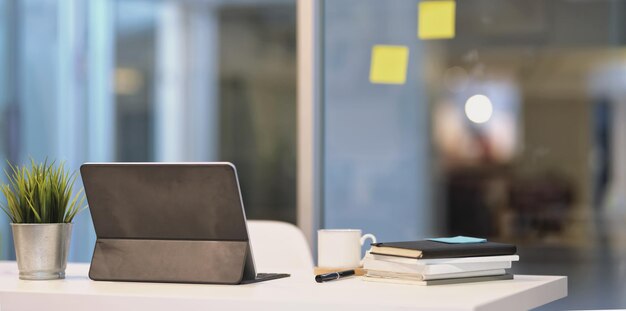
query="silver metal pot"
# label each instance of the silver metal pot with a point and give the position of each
(41, 250)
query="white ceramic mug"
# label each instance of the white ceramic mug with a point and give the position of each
(340, 248)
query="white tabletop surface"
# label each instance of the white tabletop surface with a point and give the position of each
(299, 292)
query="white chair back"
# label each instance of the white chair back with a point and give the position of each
(278, 247)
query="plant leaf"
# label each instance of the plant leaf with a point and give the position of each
(40, 193)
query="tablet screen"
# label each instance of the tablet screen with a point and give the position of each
(182, 201)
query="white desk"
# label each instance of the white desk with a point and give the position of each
(299, 292)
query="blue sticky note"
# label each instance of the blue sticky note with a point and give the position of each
(459, 240)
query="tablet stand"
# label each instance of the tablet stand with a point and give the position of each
(179, 261)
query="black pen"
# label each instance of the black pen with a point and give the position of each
(333, 276)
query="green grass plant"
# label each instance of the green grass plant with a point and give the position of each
(41, 193)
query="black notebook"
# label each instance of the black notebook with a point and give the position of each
(426, 249)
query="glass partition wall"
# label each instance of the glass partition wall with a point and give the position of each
(499, 119)
(143, 80)
(211, 80)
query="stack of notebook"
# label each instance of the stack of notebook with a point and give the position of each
(439, 261)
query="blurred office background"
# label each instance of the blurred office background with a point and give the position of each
(143, 80)
(537, 158)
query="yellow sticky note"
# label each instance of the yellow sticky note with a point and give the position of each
(436, 19)
(389, 64)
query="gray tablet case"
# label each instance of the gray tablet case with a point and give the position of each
(160, 222)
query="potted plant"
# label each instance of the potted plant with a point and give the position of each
(40, 205)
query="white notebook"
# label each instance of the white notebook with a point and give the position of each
(370, 263)
(441, 281)
(444, 260)
(422, 277)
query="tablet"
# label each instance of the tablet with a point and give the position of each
(169, 222)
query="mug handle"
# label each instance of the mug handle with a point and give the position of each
(368, 236)
(363, 238)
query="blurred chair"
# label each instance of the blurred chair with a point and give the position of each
(278, 247)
